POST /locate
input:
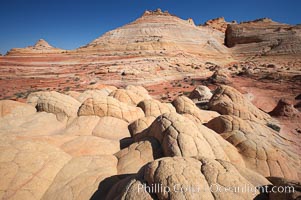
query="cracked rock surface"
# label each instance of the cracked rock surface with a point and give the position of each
(106, 144)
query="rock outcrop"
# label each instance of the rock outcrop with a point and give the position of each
(103, 148)
(41, 47)
(9, 108)
(108, 106)
(155, 108)
(200, 94)
(160, 31)
(127, 96)
(187, 178)
(218, 24)
(263, 37)
(219, 77)
(285, 109)
(93, 141)
(186, 107)
(228, 101)
(262, 150)
(63, 106)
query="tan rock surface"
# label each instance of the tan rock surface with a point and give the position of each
(63, 106)
(262, 149)
(82, 125)
(220, 77)
(127, 189)
(10, 108)
(190, 178)
(200, 94)
(111, 128)
(28, 168)
(228, 101)
(218, 24)
(263, 37)
(184, 105)
(90, 145)
(138, 154)
(285, 109)
(140, 125)
(127, 96)
(109, 106)
(94, 94)
(80, 177)
(110, 148)
(180, 136)
(157, 32)
(152, 107)
(139, 90)
(40, 123)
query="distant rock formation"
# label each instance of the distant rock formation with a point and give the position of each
(263, 37)
(158, 33)
(218, 24)
(41, 47)
(158, 11)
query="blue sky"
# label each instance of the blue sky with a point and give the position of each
(69, 24)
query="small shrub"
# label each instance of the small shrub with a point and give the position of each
(274, 127)
(67, 88)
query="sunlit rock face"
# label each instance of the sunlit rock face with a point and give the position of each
(41, 47)
(57, 146)
(263, 37)
(160, 31)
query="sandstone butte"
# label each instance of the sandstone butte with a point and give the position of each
(158, 103)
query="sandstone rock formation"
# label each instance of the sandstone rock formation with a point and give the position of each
(155, 108)
(79, 178)
(136, 155)
(139, 90)
(127, 96)
(186, 106)
(263, 37)
(140, 125)
(111, 128)
(218, 24)
(285, 109)
(91, 140)
(94, 94)
(219, 77)
(63, 106)
(258, 145)
(28, 168)
(109, 106)
(107, 148)
(10, 108)
(180, 136)
(187, 178)
(200, 94)
(160, 31)
(41, 47)
(155, 47)
(228, 101)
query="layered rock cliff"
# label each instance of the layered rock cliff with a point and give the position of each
(263, 37)
(160, 32)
